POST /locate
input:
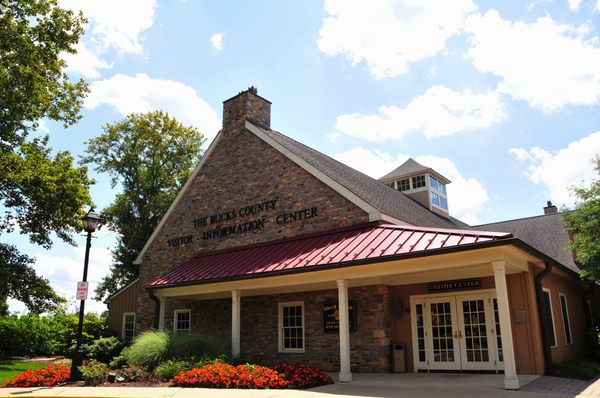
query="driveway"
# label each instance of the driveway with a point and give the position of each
(409, 385)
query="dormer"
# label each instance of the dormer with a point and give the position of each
(421, 183)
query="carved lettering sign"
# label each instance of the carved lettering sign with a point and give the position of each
(460, 284)
(331, 317)
(241, 220)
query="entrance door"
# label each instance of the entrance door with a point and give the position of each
(458, 332)
(441, 336)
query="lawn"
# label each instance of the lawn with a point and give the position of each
(10, 368)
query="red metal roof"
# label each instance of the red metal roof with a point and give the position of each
(365, 242)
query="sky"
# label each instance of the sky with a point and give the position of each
(502, 98)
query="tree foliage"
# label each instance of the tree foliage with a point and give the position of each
(584, 223)
(33, 84)
(151, 156)
(40, 192)
(19, 280)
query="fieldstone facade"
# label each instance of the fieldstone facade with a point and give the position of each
(370, 344)
(247, 185)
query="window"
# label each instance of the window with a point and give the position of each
(291, 327)
(549, 318)
(433, 183)
(435, 199)
(565, 315)
(418, 182)
(404, 185)
(182, 321)
(444, 203)
(128, 326)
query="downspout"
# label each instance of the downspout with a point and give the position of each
(539, 294)
(586, 307)
(156, 307)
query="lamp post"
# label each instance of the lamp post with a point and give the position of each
(90, 222)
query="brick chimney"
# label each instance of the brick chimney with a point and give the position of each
(550, 209)
(247, 105)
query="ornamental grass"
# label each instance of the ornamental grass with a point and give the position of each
(43, 377)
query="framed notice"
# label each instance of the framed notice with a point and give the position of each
(331, 317)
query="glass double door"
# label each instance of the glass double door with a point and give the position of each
(459, 332)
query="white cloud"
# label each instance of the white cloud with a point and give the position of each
(548, 64)
(559, 170)
(141, 93)
(466, 196)
(65, 271)
(574, 4)
(112, 25)
(390, 34)
(372, 162)
(438, 112)
(85, 62)
(597, 7)
(217, 41)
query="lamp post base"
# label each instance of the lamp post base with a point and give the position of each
(76, 363)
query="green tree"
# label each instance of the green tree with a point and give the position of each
(40, 193)
(584, 223)
(33, 84)
(151, 156)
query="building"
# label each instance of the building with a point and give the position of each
(285, 254)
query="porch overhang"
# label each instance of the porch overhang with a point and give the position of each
(473, 262)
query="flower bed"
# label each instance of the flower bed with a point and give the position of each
(303, 376)
(220, 375)
(46, 377)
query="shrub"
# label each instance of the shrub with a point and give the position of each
(132, 373)
(186, 346)
(581, 369)
(105, 349)
(303, 376)
(220, 375)
(31, 335)
(46, 377)
(149, 349)
(94, 373)
(120, 360)
(169, 369)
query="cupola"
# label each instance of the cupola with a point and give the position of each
(421, 183)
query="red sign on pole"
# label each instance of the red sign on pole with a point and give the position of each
(82, 291)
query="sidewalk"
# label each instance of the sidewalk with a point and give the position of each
(413, 385)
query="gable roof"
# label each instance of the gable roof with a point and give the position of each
(545, 233)
(343, 247)
(387, 200)
(380, 201)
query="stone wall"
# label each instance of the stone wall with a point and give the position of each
(244, 183)
(370, 344)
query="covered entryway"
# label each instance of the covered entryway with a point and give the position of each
(459, 331)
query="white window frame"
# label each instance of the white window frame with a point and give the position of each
(125, 314)
(280, 327)
(552, 316)
(560, 296)
(181, 311)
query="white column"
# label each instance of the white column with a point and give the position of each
(161, 313)
(511, 381)
(345, 374)
(235, 323)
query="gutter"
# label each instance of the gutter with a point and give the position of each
(539, 294)
(156, 307)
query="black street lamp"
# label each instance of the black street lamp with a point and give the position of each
(90, 222)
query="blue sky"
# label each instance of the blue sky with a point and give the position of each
(500, 97)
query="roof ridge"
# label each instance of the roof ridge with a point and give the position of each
(517, 219)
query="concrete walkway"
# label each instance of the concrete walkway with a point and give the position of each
(411, 385)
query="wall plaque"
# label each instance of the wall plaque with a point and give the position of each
(460, 284)
(331, 317)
